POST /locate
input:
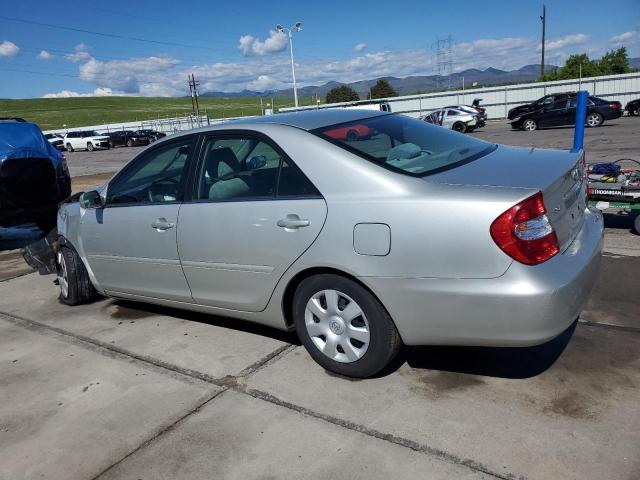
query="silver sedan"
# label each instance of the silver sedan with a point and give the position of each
(403, 233)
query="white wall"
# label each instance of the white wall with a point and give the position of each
(498, 100)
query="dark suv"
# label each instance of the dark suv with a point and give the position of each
(127, 138)
(152, 134)
(34, 177)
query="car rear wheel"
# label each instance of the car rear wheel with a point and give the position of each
(69, 147)
(636, 223)
(529, 125)
(343, 326)
(90, 146)
(594, 120)
(73, 278)
(460, 127)
(129, 143)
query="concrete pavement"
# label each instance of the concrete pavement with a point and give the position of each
(567, 409)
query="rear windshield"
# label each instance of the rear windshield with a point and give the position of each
(406, 145)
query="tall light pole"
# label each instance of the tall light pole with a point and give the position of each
(543, 18)
(297, 27)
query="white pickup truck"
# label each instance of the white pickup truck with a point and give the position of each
(85, 140)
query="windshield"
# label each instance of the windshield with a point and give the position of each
(406, 145)
(92, 133)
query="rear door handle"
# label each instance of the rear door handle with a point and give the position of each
(161, 224)
(293, 221)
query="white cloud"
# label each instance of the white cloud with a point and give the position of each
(165, 76)
(254, 47)
(623, 37)
(98, 92)
(360, 47)
(80, 54)
(565, 41)
(265, 82)
(8, 49)
(44, 55)
(128, 75)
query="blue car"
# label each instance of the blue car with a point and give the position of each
(34, 177)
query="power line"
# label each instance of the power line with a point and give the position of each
(103, 34)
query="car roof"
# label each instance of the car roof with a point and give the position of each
(310, 119)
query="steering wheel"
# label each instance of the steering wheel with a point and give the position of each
(159, 181)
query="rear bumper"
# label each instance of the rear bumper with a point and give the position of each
(525, 306)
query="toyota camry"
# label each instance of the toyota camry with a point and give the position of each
(411, 234)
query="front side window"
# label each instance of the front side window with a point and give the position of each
(154, 177)
(244, 167)
(406, 145)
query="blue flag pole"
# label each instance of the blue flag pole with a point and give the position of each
(581, 115)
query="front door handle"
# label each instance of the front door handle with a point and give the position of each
(161, 224)
(293, 221)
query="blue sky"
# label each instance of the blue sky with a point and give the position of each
(231, 46)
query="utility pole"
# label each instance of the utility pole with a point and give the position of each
(193, 92)
(544, 24)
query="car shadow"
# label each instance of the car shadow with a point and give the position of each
(130, 310)
(501, 362)
(622, 221)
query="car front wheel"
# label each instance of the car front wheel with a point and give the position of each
(529, 125)
(73, 278)
(343, 326)
(594, 120)
(69, 147)
(90, 146)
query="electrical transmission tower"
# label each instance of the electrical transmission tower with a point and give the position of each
(193, 93)
(444, 61)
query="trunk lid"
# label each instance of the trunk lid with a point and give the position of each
(558, 174)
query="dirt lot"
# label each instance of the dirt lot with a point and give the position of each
(124, 390)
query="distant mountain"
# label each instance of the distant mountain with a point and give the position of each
(634, 62)
(408, 85)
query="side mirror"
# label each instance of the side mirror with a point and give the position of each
(91, 199)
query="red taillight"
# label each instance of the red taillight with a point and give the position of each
(525, 233)
(615, 106)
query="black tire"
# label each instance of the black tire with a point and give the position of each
(384, 340)
(459, 127)
(111, 145)
(79, 286)
(636, 224)
(90, 146)
(129, 143)
(69, 147)
(594, 120)
(353, 135)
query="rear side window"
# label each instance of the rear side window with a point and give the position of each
(243, 167)
(404, 144)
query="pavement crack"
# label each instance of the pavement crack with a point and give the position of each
(162, 431)
(387, 437)
(609, 326)
(268, 359)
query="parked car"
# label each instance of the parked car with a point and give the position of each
(563, 112)
(480, 114)
(633, 107)
(57, 141)
(452, 118)
(85, 140)
(543, 102)
(152, 134)
(417, 235)
(34, 177)
(127, 138)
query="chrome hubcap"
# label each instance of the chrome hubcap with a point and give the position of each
(529, 125)
(592, 121)
(337, 326)
(63, 280)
